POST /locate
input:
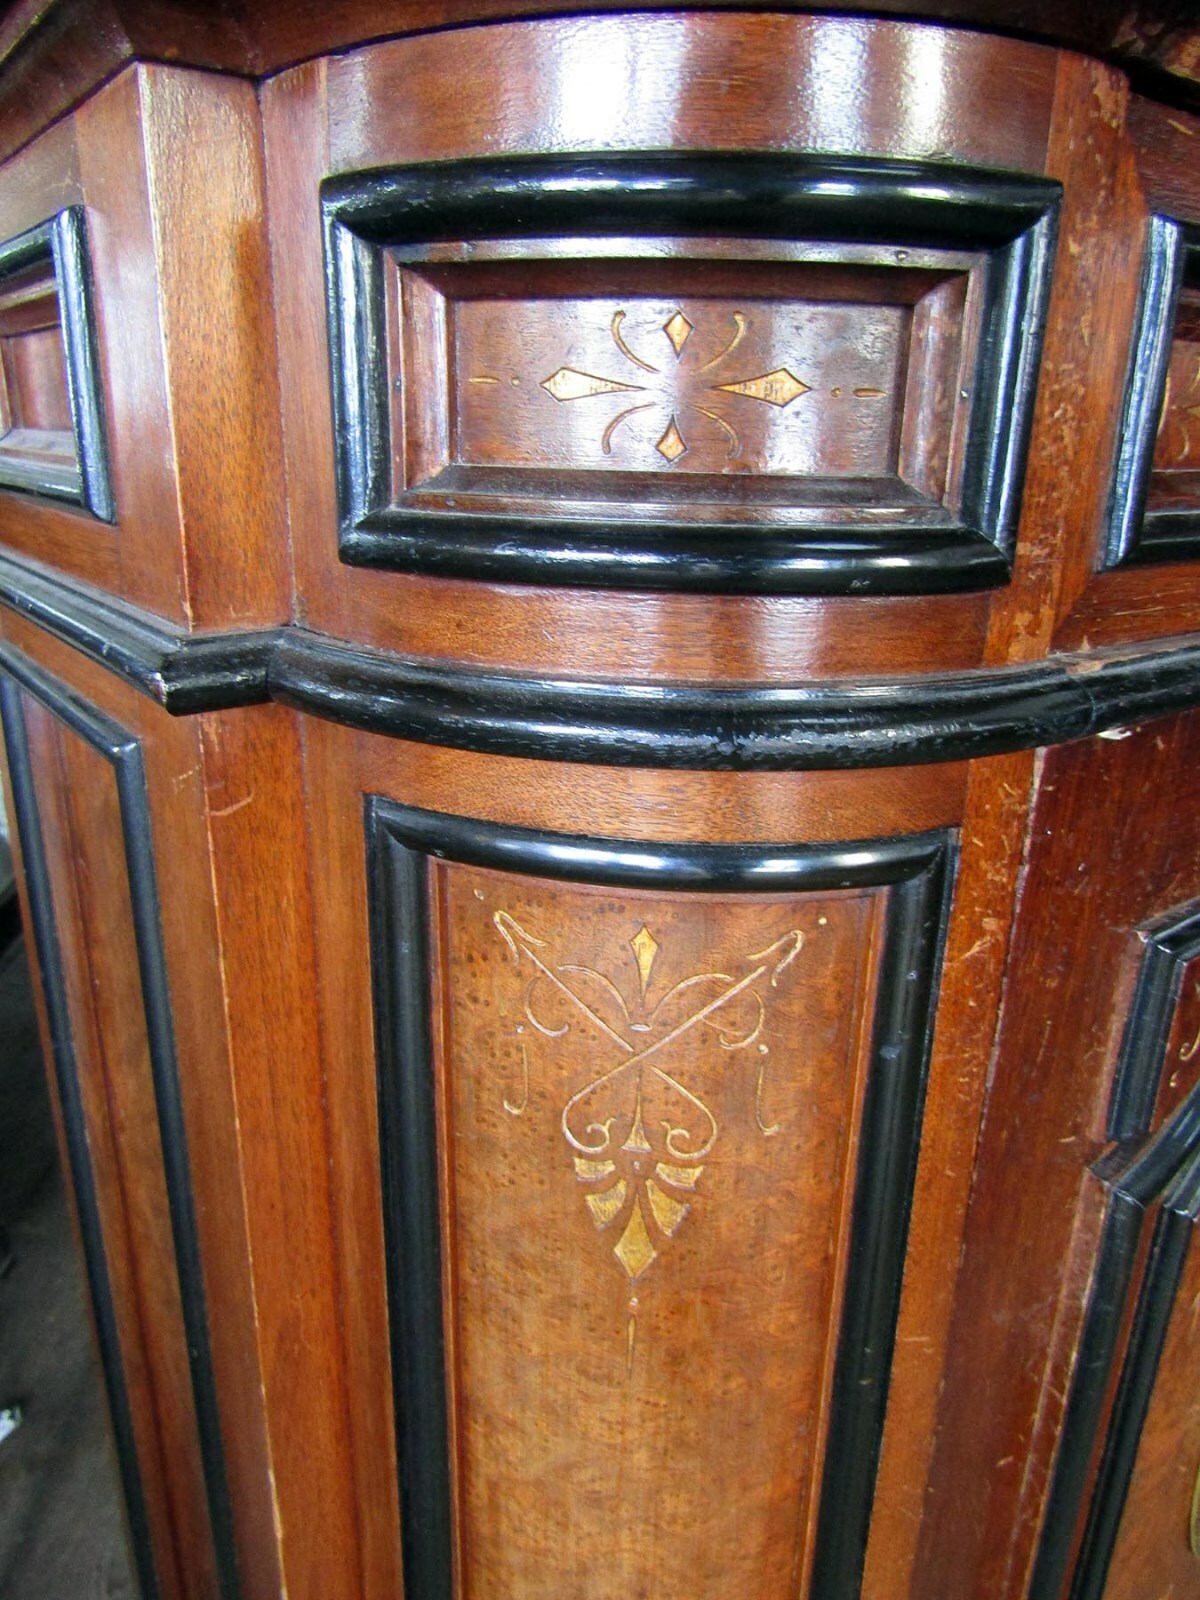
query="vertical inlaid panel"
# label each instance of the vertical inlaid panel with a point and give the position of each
(649, 1124)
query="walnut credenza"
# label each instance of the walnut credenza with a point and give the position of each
(601, 675)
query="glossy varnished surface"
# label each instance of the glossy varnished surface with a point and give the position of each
(647, 1387)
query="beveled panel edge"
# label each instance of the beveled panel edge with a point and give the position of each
(912, 720)
(1137, 1175)
(63, 240)
(920, 870)
(1170, 943)
(837, 199)
(27, 821)
(123, 751)
(1133, 535)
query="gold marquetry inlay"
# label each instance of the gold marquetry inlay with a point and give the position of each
(679, 330)
(635, 1130)
(671, 444)
(778, 388)
(685, 396)
(568, 383)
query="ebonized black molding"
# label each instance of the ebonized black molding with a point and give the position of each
(784, 727)
(183, 672)
(1140, 1175)
(1134, 534)
(1171, 943)
(765, 727)
(919, 871)
(839, 199)
(63, 241)
(123, 752)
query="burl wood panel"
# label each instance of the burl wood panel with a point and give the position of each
(547, 372)
(1157, 1553)
(649, 1106)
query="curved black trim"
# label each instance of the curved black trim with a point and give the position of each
(123, 752)
(62, 240)
(1170, 944)
(1139, 1175)
(1134, 534)
(782, 727)
(919, 871)
(770, 195)
(766, 727)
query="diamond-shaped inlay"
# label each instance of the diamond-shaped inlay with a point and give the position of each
(645, 948)
(679, 330)
(568, 383)
(633, 1249)
(778, 388)
(671, 445)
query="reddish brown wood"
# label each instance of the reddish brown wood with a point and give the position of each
(1105, 856)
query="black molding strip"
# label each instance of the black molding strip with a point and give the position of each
(62, 240)
(765, 727)
(123, 752)
(1139, 1174)
(782, 727)
(83, 1182)
(1171, 943)
(400, 843)
(183, 672)
(1012, 217)
(1172, 259)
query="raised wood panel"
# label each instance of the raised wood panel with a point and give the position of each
(720, 1220)
(80, 802)
(813, 415)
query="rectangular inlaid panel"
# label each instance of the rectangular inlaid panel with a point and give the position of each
(709, 372)
(649, 1105)
(832, 383)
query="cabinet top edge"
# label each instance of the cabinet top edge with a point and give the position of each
(54, 53)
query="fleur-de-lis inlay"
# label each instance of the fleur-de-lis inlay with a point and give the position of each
(683, 387)
(639, 1138)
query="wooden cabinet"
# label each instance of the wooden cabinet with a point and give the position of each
(601, 661)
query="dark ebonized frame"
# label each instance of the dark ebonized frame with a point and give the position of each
(1142, 1175)
(717, 728)
(1171, 943)
(62, 241)
(918, 873)
(1011, 217)
(1133, 533)
(122, 750)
